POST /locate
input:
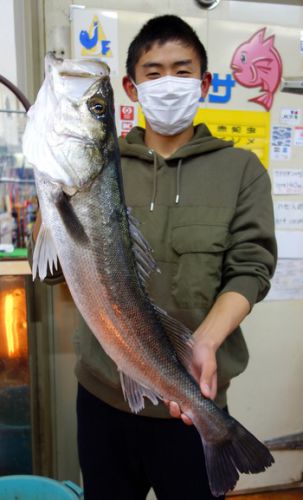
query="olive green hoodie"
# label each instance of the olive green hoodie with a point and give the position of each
(207, 213)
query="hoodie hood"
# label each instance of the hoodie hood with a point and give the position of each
(202, 142)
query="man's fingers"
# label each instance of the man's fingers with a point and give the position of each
(208, 385)
(174, 409)
(186, 419)
(175, 412)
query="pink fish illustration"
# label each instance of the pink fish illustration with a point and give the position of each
(257, 63)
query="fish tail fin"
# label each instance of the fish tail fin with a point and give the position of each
(239, 452)
(264, 100)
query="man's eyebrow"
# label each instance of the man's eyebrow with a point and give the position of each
(183, 62)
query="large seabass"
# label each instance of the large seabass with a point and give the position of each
(71, 141)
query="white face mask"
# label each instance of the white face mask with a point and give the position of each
(169, 103)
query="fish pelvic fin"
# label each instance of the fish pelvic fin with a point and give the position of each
(264, 100)
(45, 254)
(134, 393)
(239, 452)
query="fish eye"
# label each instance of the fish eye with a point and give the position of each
(243, 58)
(97, 106)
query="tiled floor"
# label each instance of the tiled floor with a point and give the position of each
(277, 495)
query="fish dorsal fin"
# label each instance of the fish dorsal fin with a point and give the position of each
(179, 335)
(269, 42)
(142, 250)
(259, 36)
(45, 254)
(134, 393)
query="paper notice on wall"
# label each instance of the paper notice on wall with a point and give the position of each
(280, 143)
(290, 116)
(287, 181)
(127, 118)
(287, 283)
(288, 215)
(298, 136)
(95, 35)
(290, 244)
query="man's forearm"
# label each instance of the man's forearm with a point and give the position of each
(224, 317)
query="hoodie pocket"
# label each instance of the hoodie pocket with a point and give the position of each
(200, 251)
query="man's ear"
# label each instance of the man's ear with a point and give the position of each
(130, 88)
(206, 82)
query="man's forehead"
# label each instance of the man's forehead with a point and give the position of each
(175, 49)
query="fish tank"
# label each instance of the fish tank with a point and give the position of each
(18, 200)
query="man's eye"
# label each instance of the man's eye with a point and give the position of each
(153, 74)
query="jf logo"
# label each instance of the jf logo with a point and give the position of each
(257, 63)
(94, 41)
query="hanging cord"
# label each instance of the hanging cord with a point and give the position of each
(178, 181)
(152, 203)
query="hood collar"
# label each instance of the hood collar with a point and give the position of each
(202, 142)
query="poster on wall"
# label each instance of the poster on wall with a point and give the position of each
(95, 35)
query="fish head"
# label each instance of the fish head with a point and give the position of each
(83, 137)
(247, 57)
(70, 129)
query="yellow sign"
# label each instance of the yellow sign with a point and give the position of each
(247, 129)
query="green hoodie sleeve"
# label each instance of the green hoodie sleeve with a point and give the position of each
(252, 254)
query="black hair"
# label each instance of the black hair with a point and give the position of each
(161, 30)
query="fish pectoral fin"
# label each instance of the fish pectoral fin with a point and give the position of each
(179, 335)
(264, 62)
(45, 254)
(142, 251)
(134, 393)
(69, 218)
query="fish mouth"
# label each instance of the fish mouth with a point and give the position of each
(75, 74)
(236, 68)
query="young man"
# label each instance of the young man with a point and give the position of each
(206, 210)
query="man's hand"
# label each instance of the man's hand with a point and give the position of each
(226, 314)
(204, 370)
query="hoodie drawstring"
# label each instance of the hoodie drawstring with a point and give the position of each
(178, 183)
(152, 203)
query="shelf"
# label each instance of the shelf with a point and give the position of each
(14, 267)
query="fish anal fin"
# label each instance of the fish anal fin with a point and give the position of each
(134, 393)
(45, 254)
(179, 335)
